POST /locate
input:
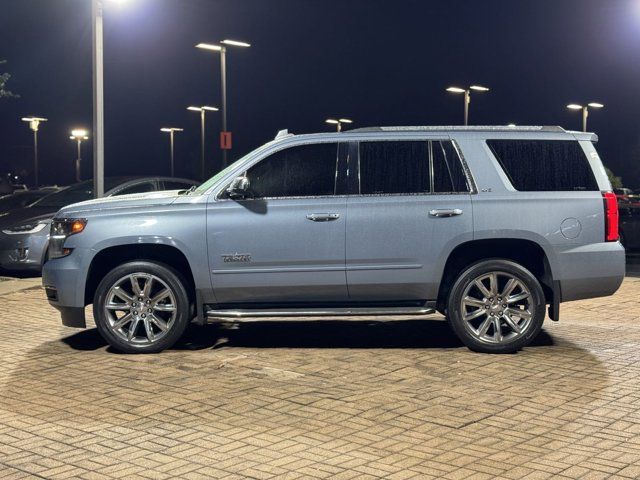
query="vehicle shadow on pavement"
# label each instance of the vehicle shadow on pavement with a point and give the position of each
(423, 333)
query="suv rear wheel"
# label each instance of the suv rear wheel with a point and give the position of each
(496, 306)
(141, 307)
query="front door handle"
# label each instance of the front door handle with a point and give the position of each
(448, 212)
(323, 217)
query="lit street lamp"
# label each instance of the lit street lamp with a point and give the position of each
(467, 97)
(34, 124)
(171, 131)
(202, 111)
(222, 48)
(585, 111)
(338, 123)
(79, 135)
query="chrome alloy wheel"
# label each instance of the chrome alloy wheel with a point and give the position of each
(140, 308)
(496, 307)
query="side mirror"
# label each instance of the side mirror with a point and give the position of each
(239, 188)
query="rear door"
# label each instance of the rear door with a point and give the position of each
(412, 204)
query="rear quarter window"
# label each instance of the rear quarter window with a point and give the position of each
(544, 165)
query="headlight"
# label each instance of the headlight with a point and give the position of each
(25, 228)
(60, 230)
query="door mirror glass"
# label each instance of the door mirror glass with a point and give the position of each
(239, 188)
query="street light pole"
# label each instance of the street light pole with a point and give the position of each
(34, 125)
(79, 136)
(98, 99)
(171, 131)
(467, 97)
(223, 83)
(585, 111)
(467, 101)
(202, 111)
(338, 122)
(202, 135)
(222, 48)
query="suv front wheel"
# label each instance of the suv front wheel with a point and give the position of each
(496, 306)
(141, 307)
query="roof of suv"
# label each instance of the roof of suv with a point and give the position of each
(486, 129)
(473, 128)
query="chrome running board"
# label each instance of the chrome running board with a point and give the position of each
(315, 312)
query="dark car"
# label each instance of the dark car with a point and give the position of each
(23, 198)
(24, 232)
(629, 224)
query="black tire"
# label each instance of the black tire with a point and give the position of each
(164, 276)
(493, 310)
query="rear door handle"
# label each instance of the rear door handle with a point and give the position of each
(449, 212)
(323, 217)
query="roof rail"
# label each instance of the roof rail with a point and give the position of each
(460, 128)
(282, 134)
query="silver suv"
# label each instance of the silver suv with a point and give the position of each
(487, 225)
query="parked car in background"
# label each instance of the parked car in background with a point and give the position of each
(630, 225)
(487, 225)
(23, 198)
(24, 232)
(623, 195)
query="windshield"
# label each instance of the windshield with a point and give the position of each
(213, 180)
(75, 193)
(19, 200)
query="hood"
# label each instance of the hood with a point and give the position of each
(122, 201)
(26, 214)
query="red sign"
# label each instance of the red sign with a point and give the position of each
(225, 140)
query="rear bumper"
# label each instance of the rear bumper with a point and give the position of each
(590, 271)
(63, 281)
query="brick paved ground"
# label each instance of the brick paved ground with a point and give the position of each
(332, 400)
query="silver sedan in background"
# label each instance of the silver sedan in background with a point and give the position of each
(24, 232)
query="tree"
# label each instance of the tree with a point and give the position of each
(4, 78)
(616, 182)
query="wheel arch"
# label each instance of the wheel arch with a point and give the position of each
(527, 253)
(110, 257)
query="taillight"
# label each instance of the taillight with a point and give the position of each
(610, 217)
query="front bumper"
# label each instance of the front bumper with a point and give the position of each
(23, 252)
(64, 283)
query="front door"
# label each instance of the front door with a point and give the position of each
(412, 204)
(285, 243)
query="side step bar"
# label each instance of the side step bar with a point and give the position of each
(316, 312)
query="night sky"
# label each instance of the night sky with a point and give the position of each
(380, 62)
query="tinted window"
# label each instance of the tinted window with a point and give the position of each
(448, 173)
(394, 167)
(404, 167)
(302, 171)
(137, 188)
(544, 165)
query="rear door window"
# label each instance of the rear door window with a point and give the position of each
(394, 167)
(544, 165)
(411, 167)
(448, 173)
